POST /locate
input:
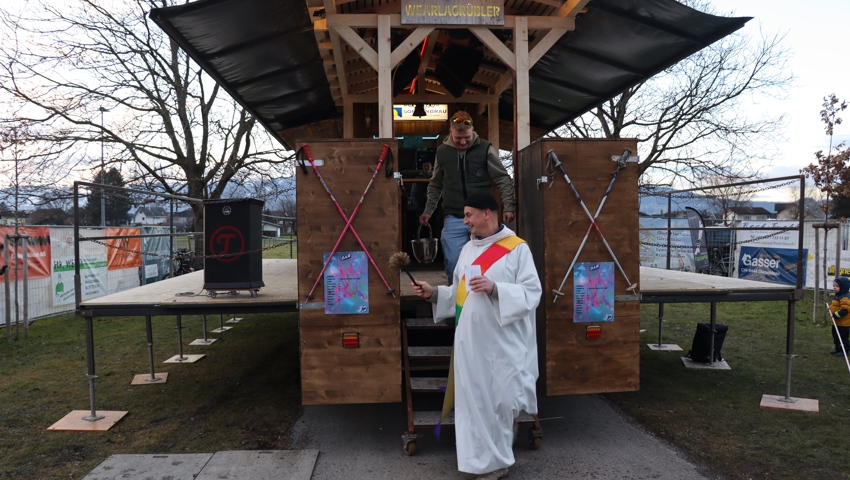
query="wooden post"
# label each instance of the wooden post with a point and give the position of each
(385, 88)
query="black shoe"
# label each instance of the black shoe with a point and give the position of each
(837, 354)
(833, 352)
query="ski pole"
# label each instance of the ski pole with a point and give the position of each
(621, 164)
(348, 226)
(835, 325)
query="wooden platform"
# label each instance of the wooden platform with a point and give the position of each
(185, 294)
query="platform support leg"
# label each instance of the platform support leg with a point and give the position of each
(90, 365)
(660, 322)
(149, 334)
(180, 338)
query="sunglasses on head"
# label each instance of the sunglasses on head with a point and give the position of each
(462, 120)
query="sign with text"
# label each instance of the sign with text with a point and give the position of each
(404, 113)
(771, 265)
(452, 12)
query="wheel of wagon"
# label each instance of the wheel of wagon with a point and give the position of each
(254, 293)
(534, 438)
(410, 448)
(213, 294)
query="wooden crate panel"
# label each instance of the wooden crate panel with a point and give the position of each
(577, 365)
(347, 168)
(552, 220)
(332, 374)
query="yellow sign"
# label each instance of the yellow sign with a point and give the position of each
(432, 112)
(453, 12)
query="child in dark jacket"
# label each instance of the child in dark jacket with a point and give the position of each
(839, 309)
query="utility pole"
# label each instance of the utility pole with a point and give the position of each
(102, 174)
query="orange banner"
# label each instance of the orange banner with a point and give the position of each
(123, 252)
(38, 252)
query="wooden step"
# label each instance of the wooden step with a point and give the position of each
(428, 384)
(429, 353)
(427, 323)
(430, 418)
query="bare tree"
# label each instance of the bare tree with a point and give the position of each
(723, 196)
(696, 119)
(99, 76)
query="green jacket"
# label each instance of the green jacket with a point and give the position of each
(482, 168)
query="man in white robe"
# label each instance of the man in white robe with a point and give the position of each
(495, 344)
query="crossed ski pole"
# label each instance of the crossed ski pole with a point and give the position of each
(621, 164)
(835, 325)
(305, 150)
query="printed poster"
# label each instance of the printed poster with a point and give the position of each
(92, 279)
(347, 283)
(38, 253)
(123, 252)
(593, 292)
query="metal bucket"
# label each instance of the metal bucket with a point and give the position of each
(425, 249)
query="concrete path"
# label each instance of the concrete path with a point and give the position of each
(584, 438)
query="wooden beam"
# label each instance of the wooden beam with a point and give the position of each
(385, 87)
(495, 45)
(493, 122)
(330, 11)
(370, 20)
(409, 44)
(522, 112)
(572, 8)
(431, 98)
(544, 44)
(358, 44)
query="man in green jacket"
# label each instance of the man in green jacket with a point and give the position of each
(465, 163)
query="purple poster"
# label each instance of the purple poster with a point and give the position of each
(347, 283)
(593, 292)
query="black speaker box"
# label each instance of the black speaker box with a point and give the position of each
(456, 67)
(233, 239)
(701, 346)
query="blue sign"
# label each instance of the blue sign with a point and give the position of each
(771, 265)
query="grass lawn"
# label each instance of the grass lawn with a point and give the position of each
(715, 415)
(246, 394)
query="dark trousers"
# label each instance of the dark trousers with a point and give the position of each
(839, 336)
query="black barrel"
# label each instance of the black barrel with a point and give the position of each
(233, 240)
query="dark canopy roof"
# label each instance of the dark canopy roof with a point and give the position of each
(269, 56)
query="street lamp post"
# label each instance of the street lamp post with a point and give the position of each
(102, 174)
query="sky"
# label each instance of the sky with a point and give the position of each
(817, 35)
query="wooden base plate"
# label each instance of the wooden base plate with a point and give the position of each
(145, 378)
(664, 347)
(776, 402)
(185, 359)
(75, 421)
(721, 365)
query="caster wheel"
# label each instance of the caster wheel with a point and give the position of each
(410, 448)
(213, 294)
(253, 294)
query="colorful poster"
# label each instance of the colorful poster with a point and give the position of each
(347, 283)
(38, 252)
(92, 279)
(123, 252)
(593, 292)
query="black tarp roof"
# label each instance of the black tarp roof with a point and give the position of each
(265, 54)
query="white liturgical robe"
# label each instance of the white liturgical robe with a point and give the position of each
(495, 354)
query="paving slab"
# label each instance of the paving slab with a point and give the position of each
(260, 465)
(150, 467)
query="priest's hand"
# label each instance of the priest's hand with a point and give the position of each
(481, 284)
(507, 217)
(422, 289)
